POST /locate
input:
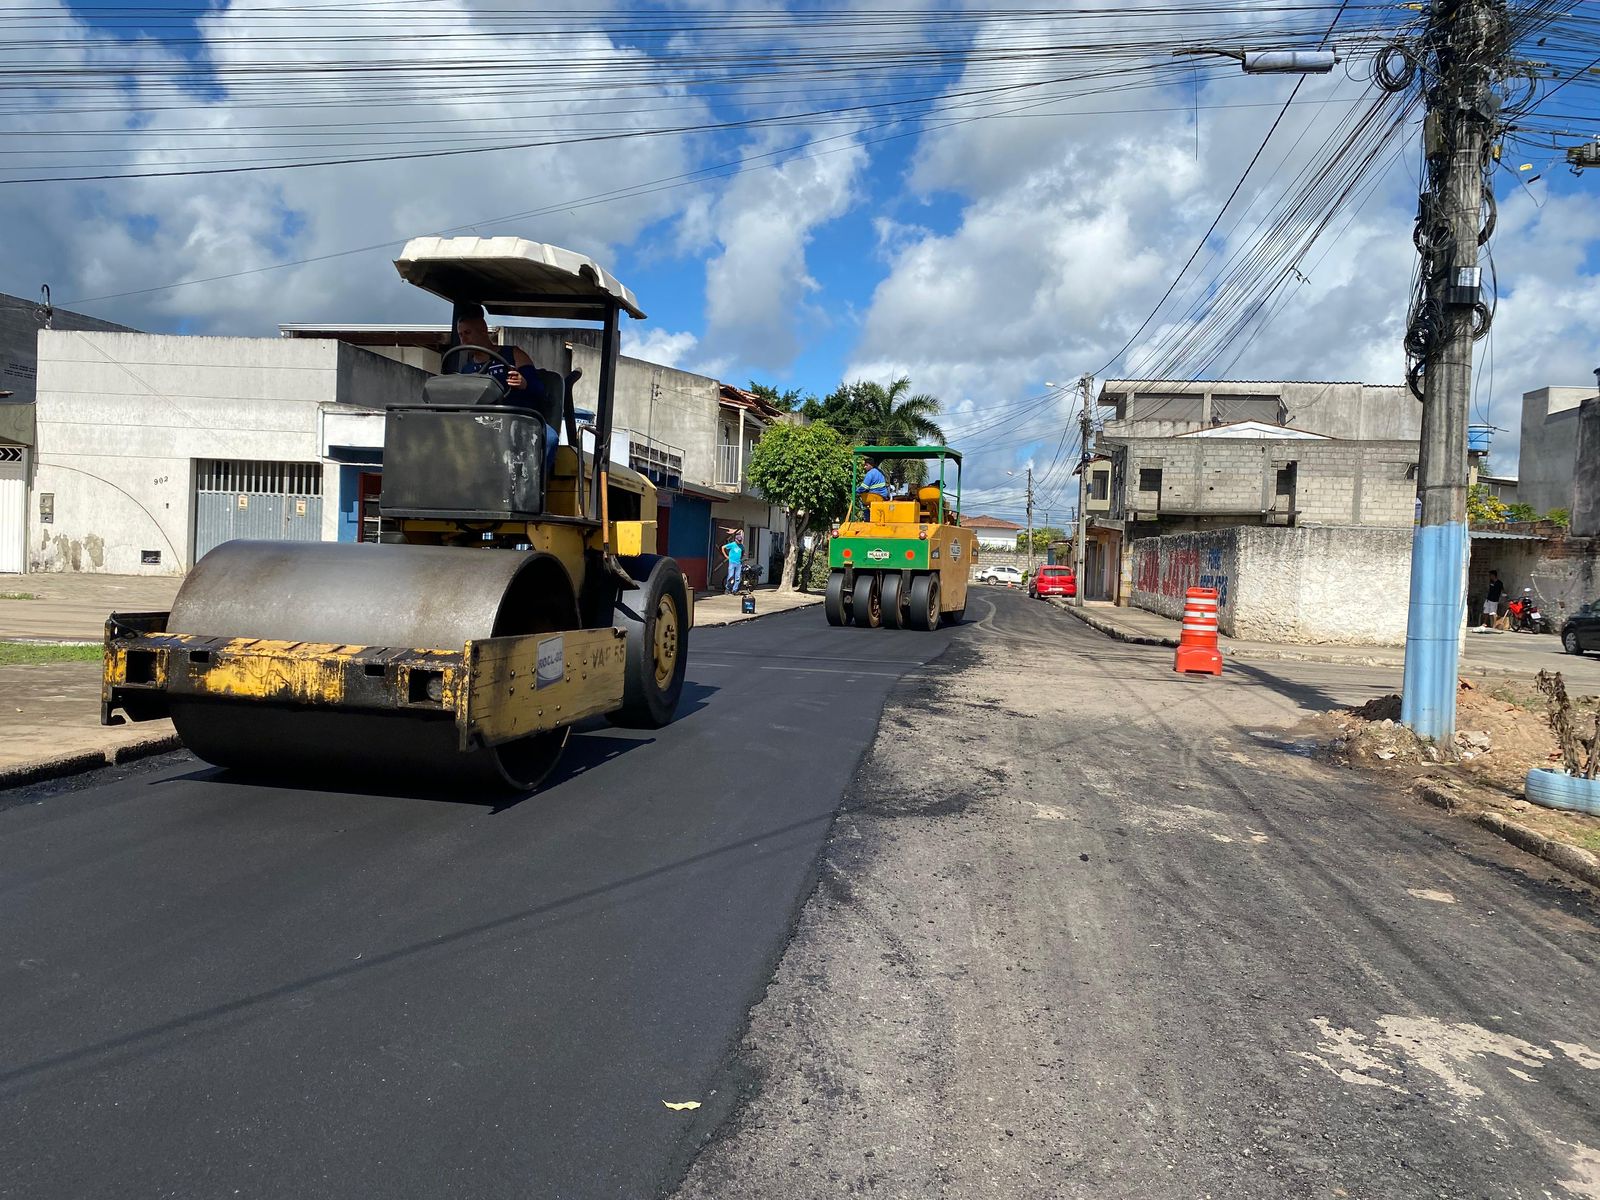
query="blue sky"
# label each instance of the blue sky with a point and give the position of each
(981, 257)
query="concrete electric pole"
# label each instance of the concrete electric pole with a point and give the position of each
(1080, 539)
(1030, 521)
(1465, 50)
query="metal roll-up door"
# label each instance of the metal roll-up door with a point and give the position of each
(13, 508)
(266, 501)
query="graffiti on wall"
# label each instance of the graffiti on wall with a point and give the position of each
(1179, 569)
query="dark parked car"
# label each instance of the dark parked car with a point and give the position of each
(1581, 631)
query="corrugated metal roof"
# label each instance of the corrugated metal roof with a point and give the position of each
(1494, 535)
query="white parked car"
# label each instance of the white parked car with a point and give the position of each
(1001, 573)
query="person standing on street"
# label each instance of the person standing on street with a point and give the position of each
(733, 554)
(1491, 600)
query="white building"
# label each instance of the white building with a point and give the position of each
(994, 533)
(153, 448)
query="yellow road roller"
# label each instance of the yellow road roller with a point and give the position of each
(512, 594)
(901, 559)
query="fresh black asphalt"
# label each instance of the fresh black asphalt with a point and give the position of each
(214, 987)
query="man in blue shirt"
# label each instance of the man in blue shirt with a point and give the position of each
(873, 486)
(734, 553)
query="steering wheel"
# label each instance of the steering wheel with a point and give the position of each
(495, 354)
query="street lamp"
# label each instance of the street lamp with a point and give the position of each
(1013, 475)
(1273, 62)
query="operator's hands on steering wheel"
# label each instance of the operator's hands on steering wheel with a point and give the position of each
(515, 380)
(492, 353)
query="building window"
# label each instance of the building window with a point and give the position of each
(1286, 480)
(1099, 484)
(1149, 479)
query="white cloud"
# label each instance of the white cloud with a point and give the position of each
(757, 286)
(659, 346)
(96, 239)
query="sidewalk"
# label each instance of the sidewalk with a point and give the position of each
(50, 724)
(1485, 653)
(74, 607)
(718, 608)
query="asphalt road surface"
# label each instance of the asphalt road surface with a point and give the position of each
(210, 987)
(1091, 929)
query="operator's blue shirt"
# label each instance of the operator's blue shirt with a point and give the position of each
(735, 553)
(874, 483)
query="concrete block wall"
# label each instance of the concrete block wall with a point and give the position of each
(1345, 585)
(1164, 568)
(1586, 472)
(1356, 411)
(1337, 482)
(1547, 452)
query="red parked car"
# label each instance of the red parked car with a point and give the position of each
(1053, 581)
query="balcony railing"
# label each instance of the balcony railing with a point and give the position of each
(733, 468)
(658, 462)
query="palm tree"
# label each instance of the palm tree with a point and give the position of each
(890, 417)
(867, 413)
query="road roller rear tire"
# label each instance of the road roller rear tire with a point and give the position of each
(865, 604)
(955, 616)
(654, 615)
(892, 601)
(836, 601)
(925, 602)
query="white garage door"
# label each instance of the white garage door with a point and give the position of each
(13, 508)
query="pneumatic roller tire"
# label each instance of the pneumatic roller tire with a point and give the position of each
(399, 597)
(865, 607)
(836, 601)
(654, 615)
(925, 602)
(893, 601)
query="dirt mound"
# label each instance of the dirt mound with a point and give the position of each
(1503, 733)
(1382, 708)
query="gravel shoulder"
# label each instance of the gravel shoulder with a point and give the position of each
(1086, 928)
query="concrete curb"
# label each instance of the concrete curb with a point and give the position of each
(1580, 864)
(740, 618)
(1094, 621)
(67, 765)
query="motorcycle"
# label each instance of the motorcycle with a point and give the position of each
(1525, 615)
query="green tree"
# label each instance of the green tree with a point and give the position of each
(1483, 507)
(1561, 517)
(868, 413)
(1521, 512)
(787, 400)
(805, 470)
(1042, 538)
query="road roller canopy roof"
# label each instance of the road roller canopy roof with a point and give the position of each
(907, 452)
(511, 276)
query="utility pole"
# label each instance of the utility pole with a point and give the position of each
(1079, 540)
(1030, 520)
(1467, 41)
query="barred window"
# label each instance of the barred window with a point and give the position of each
(259, 477)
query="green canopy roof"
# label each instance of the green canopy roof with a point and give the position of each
(907, 452)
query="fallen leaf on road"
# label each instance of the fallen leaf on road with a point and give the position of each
(682, 1105)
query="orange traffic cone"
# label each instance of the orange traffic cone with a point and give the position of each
(1197, 647)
